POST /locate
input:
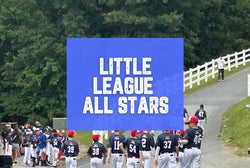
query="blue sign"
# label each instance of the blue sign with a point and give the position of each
(125, 83)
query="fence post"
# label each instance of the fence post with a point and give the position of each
(244, 57)
(236, 59)
(228, 63)
(248, 85)
(213, 68)
(206, 72)
(198, 75)
(191, 78)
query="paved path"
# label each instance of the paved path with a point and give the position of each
(217, 99)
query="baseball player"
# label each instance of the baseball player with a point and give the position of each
(27, 148)
(42, 145)
(192, 141)
(147, 142)
(180, 135)
(166, 147)
(114, 150)
(96, 151)
(34, 147)
(71, 150)
(57, 145)
(202, 116)
(134, 152)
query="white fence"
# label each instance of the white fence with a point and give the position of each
(209, 69)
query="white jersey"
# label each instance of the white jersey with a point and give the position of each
(220, 63)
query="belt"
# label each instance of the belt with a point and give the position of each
(171, 154)
(97, 157)
(117, 153)
(70, 156)
(147, 150)
(193, 147)
(133, 157)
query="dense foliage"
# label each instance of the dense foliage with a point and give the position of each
(33, 41)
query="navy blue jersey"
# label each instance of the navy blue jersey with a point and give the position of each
(194, 136)
(147, 141)
(97, 149)
(35, 141)
(133, 146)
(71, 148)
(181, 146)
(27, 140)
(167, 143)
(51, 137)
(56, 143)
(201, 114)
(114, 143)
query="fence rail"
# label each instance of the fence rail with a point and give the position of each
(209, 69)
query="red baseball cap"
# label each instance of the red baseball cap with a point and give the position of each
(96, 137)
(171, 131)
(58, 133)
(71, 133)
(133, 133)
(182, 132)
(193, 119)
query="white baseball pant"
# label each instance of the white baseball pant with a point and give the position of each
(201, 124)
(181, 160)
(71, 162)
(27, 155)
(117, 159)
(147, 158)
(133, 162)
(96, 163)
(51, 156)
(33, 152)
(192, 155)
(166, 160)
(55, 155)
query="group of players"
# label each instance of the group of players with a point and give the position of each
(44, 145)
(173, 149)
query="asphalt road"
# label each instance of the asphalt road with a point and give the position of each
(217, 99)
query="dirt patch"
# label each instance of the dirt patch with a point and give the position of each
(83, 151)
(230, 149)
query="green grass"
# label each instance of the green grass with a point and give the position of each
(211, 81)
(85, 138)
(236, 127)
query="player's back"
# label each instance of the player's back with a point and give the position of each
(147, 141)
(56, 142)
(201, 114)
(71, 148)
(194, 136)
(115, 141)
(96, 150)
(167, 143)
(133, 147)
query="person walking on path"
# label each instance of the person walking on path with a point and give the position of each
(221, 63)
